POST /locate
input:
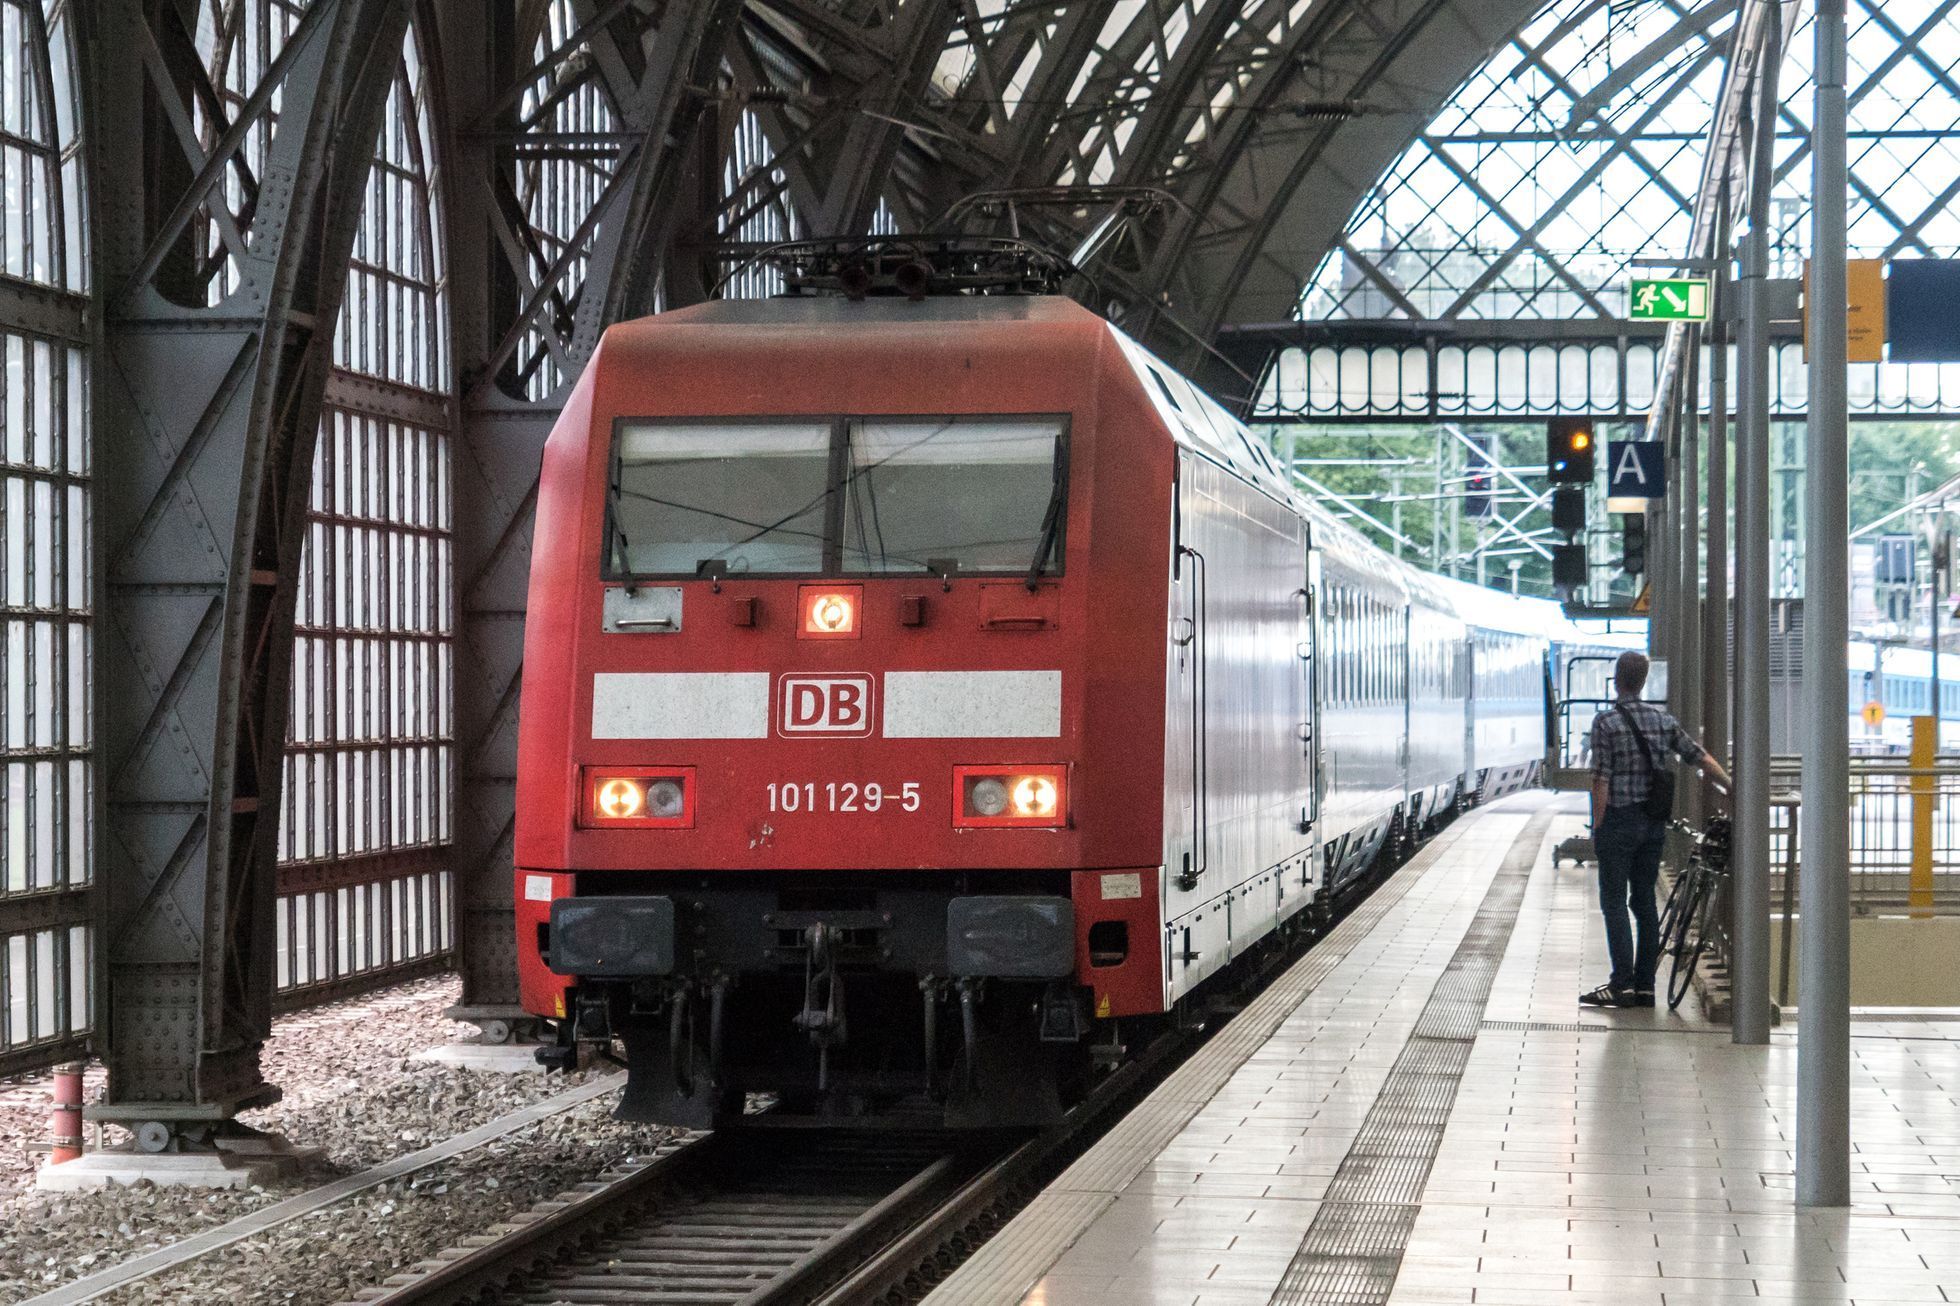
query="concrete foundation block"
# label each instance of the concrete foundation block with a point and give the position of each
(217, 1169)
(493, 1058)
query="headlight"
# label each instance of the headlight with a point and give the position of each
(829, 611)
(989, 796)
(661, 798)
(666, 798)
(1034, 796)
(620, 799)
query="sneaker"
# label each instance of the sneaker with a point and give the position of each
(1642, 998)
(1606, 995)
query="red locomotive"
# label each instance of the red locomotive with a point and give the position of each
(916, 690)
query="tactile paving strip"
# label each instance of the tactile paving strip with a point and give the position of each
(1353, 1249)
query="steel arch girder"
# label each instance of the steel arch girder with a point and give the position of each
(208, 416)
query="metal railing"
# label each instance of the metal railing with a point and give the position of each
(1905, 834)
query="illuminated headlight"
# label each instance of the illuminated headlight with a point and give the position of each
(1010, 796)
(829, 611)
(648, 799)
(1035, 795)
(619, 799)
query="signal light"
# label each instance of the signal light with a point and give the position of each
(1569, 450)
(644, 800)
(1633, 544)
(1030, 796)
(1568, 510)
(1570, 570)
(1477, 500)
(829, 611)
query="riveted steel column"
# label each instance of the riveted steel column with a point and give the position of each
(216, 346)
(1824, 998)
(1749, 959)
(649, 67)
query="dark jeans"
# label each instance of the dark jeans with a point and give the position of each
(1628, 844)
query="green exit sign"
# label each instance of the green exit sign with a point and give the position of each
(1668, 299)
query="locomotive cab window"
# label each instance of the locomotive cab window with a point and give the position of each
(974, 495)
(750, 497)
(828, 496)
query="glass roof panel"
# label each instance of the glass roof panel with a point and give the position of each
(1579, 147)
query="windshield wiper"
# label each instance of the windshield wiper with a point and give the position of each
(1051, 524)
(613, 514)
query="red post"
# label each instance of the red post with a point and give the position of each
(67, 1118)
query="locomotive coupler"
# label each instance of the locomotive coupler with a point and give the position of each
(822, 1017)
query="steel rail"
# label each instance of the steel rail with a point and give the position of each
(691, 1222)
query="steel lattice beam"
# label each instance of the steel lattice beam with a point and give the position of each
(222, 280)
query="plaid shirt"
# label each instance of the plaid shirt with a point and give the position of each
(1616, 755)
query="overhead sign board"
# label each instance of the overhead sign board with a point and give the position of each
(1920, 315)
(1864, 317)
(1636, 472)
(1865, 310)
(1668, 299)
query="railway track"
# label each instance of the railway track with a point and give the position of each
(786, 1216)
(718, 1218)
(770, 1217)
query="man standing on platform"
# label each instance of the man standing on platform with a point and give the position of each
(1633, 745)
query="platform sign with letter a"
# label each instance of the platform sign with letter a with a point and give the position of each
(1636, 471)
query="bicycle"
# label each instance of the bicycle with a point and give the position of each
(1691, 917)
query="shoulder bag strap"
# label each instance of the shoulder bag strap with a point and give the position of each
(1639, 737)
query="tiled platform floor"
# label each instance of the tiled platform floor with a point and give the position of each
(1643, 1159)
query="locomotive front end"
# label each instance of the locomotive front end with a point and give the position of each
(807, 803)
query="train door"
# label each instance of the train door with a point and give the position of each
(1297, 882)
(1186, 887)
(1188, 658)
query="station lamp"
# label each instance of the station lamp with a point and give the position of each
(1569, 450)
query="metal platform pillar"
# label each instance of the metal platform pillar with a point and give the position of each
(1824, 966)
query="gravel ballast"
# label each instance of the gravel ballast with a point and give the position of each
(352, 1089)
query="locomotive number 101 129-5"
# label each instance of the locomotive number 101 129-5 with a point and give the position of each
(842, 796)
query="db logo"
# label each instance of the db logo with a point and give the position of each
(839, 706)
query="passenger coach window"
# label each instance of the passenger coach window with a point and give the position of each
(750, 496)
(981, 494)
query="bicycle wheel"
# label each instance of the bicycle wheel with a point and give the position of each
(1680, 909)
(1698, 924)
(1676, 895)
